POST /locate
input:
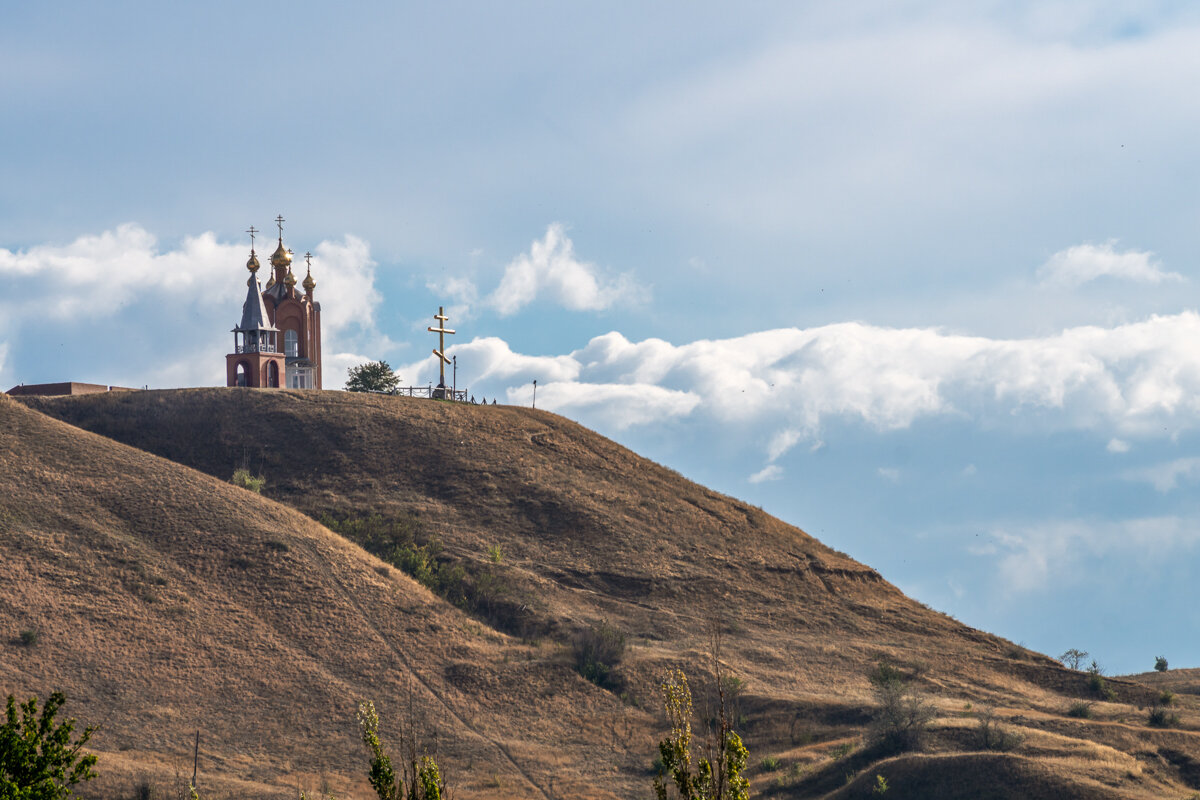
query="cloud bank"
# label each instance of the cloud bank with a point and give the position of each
(1133, 380)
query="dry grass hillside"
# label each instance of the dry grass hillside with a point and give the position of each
(268, 626)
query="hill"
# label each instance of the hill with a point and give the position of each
(552, 529)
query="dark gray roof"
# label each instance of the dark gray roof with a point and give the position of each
(254, 313)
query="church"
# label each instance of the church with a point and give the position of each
(274, 316)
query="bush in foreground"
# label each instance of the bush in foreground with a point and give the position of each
(38, 760)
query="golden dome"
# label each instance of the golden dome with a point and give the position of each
(290, 279)
(271, 281)
(252, 263)
(282, 257)
(309, 283)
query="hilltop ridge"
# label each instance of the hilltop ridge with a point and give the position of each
(578, 529)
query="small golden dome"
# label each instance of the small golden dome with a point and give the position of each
(309, 283)
(282, 257)
(271, 281)
(290, 279)
(252, 263)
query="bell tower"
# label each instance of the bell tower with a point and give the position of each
(278, 341)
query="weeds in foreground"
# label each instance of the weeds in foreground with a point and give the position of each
(419, 778)
(38, 760)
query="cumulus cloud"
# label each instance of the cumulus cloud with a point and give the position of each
(1082, 263)
(551, 269)
(782, 386)
(194, 291)
(1117, 446)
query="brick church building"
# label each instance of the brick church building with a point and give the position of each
(278, 341)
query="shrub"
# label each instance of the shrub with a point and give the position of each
(38, 760)
(420, 777)
(770, 764)
(597, 651)
(695, 776)
(1080, 709)
(1166, 697)
(495, 554)
(1161, 718)
(243, 478)
(373, 376)
(1098, 685)
(28, 637)
(1160, 663)
(902, 716)
(880, 786)
(991, 735)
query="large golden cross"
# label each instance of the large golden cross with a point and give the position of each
(279, 220)
(441, 330)
(252, 231)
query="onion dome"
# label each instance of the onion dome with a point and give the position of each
(282, 257)
(290, 279)
(271, 281)
(252, 263)
(309, 283)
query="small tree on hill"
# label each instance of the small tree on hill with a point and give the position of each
(902, 716)
(1160, 663)
(1073, 658)
(374, 376)
(712, 771)
(38, 760)
(419, 778)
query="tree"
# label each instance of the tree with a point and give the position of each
(1073, 658)
(902, 716)
(38, 760)
(424, 779)
(1160, 663)
(719, 764)
(374, 376)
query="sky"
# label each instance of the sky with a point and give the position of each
(921, 278)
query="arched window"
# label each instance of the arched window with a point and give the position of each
(243, 374)
(272, 374)
(291, 345)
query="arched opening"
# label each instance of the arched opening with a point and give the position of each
(243, 374)
(272, 374)
(291, 344)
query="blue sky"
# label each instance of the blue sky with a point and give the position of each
(918, 277)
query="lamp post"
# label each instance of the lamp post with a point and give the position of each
(454, 380)
(535, 392)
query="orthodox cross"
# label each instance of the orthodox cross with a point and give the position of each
(252, 231)
(308, 260)
(279, 220)
(441, 330)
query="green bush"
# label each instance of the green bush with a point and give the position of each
(1098, 685)
(1160, 663)
(597, 652)
(713, 772)
(243, 478)
(1166, 697)
(1080, 709)
(770, 764)
(991, 735)
(1161, 718)
(38, 760)
(28, 637)
(419, 779)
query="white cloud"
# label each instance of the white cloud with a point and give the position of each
(1117, 446)
(194, 292)
(1047, 555)
(890, 474)
(1166, 477)
(551, 269)
(782, 386)
(771, 472)
(1082, 263)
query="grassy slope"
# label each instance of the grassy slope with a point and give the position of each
(591, 531)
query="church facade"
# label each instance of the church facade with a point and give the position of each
(277, 343)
